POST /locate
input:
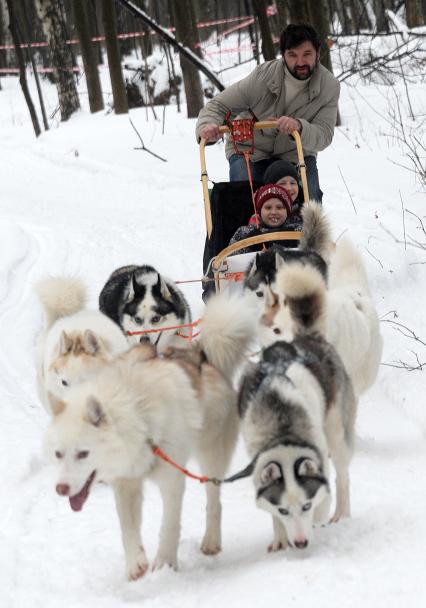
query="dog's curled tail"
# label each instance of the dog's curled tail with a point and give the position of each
(316, 231)
(228, 327)
(304, 290)
(60, 297)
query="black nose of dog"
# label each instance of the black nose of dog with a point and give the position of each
(143, 339)
(301, 544)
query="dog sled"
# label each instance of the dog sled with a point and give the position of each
(231, 204)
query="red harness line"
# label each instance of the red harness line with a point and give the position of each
(169, 328)
(201, 478)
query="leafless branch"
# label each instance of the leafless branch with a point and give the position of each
(350, 196)
(143, 147)
(374, 257)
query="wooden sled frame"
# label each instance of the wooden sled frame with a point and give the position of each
(261, 238)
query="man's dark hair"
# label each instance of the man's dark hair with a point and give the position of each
(293, 35)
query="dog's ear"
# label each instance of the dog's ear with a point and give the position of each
(91, 344)
(95, 413)
(279, 261)
(308, 468)
(164, 290)
(270, 473)
(65, 344)
(253, 267)
(57, 406)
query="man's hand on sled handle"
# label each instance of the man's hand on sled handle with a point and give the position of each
(287, 124)
(210, 132)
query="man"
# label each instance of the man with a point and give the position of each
(297, 91)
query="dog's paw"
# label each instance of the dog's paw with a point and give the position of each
(137, 566)
(338, 515)
(209, 547)
(161, 561)
(211, 544)
(277, 545)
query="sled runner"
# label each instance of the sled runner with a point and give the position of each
(230, 205)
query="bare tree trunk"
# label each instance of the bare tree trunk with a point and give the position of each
(355, 13)
(22, 74)
(412, 16)
(24, 35)
(319, 18)
(3, 38)
(94, 29)
(114, 61)
(187, 34)
(268, 51)
(298, 11)
(54, 29)
(81, 17)
(318, 11)
(251, 32)
(282, 13)
(380, 7)
(423, 10)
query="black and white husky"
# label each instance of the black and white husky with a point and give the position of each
(139, 298)
(314, 249)
(298, 406)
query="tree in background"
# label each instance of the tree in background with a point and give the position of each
(114, 60)
(413, 16)
(187, 34)
(14, 30)
(282, 10)
(319, 18)
(81, 18)
(299, 12)
(268, 51)
(55, 32)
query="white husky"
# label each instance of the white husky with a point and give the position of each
(75, 341)
(352, 324)
(182, 402)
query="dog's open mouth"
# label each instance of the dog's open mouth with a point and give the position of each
(77, 501)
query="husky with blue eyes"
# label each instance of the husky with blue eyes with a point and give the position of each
(297, 406)
(138, 298)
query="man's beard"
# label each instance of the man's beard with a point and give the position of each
(301, 72)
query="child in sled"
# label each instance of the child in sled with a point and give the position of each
(277, 207)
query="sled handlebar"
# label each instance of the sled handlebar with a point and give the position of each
(265, 124)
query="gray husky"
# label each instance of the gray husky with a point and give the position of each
(298, 406)
(139, 298)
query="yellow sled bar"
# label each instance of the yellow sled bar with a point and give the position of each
(267, 124)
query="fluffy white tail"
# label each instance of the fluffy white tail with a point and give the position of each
(316, 230)
(60, 297)
(347, 268)
(227, 329)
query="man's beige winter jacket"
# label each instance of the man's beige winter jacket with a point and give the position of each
(263, 91)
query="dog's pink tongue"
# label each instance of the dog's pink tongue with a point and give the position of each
(77, 501)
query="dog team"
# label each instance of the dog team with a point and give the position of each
(116, 383)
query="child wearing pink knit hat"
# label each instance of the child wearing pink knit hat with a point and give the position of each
(274, 211)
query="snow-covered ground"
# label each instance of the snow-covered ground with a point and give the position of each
(80, 200)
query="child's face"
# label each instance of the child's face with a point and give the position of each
(273, 213)
(290, 184)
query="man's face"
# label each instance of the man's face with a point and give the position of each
(301, 60)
